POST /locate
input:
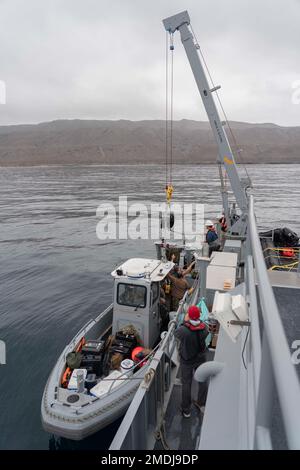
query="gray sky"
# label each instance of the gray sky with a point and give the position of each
(105, 59)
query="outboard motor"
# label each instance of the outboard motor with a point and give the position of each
(290, 238)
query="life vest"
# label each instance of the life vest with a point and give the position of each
(223, 224)
(136, 353)
(200, 326)
(80, 344)
(66, 377)
(288, 253)
(68, 372)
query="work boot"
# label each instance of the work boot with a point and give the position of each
(186, 414)
(199, 407)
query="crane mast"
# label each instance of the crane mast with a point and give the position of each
(181, 22)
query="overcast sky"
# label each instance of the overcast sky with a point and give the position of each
(105, 59)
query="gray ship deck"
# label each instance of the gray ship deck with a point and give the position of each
(287, 293)
(180, 433)
(288, 301)
(286, 288)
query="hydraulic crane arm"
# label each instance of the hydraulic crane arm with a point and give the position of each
(180, 22)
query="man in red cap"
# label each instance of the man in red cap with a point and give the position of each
(192, 353)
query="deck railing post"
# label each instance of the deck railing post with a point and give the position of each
(255, 339)
(265, 396)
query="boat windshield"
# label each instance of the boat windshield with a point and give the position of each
(132, 295)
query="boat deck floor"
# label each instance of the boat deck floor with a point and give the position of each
(180, 433)
(288, 301)
(286, 287)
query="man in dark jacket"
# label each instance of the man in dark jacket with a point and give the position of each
(212, 237)
(192, 352)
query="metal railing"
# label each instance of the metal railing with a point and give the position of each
(271, 354)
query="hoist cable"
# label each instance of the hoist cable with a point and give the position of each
(171, 106)
(169, 116)
(167, 102)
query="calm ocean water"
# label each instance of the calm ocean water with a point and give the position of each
(55, 273)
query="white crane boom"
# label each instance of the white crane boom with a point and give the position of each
(181, 22)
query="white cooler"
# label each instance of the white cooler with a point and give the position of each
(107, 384)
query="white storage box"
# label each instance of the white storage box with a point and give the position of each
(108, 384)
(222, 310)
(221, 271)
(239, 307)
(72, 385)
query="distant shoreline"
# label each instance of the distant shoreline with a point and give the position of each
(81, 142)
(140, 164)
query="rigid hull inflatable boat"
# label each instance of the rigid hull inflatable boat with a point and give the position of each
(83, 397)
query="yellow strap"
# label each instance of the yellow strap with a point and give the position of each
(169, 192)
(285, 266)
(296, 250)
